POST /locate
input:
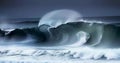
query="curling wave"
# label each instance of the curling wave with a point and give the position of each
(70, 34)
(89, 34)
(65, 28)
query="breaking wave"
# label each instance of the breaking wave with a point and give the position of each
(70, 34)
(66, 28)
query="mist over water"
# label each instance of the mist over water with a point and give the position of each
(58, 17)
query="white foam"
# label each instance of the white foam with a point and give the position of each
(76, 53)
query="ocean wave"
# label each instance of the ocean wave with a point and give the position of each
(65, 28)
(95, 34)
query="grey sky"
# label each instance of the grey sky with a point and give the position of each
(37, 8)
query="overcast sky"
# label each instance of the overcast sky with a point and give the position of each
(37, 8)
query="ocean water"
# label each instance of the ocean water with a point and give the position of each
(60, 36)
